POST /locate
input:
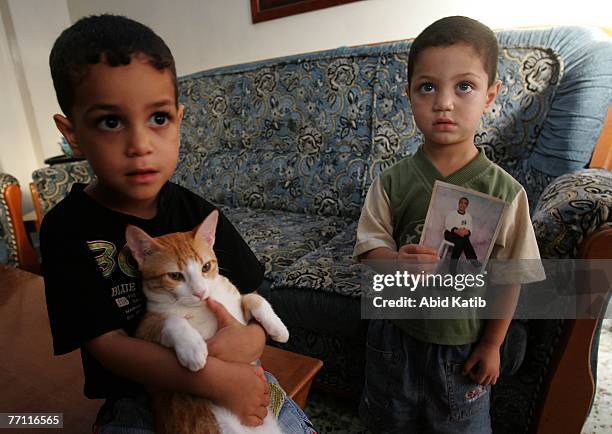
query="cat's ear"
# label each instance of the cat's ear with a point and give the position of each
(206, 230)
(139, 242)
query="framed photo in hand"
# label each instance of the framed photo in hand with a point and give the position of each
(462, 224)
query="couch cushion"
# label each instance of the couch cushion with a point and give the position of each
(280, 238)
(212, 133)
(209, 173)
(328, 268)
(54, 182)
(301, 126)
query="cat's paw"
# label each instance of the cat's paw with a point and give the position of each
(192, 353)
(278, 331)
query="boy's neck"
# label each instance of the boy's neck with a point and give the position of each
(449, 159)
(145, 209)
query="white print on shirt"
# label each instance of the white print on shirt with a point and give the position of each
(122, 301)
(124, 288)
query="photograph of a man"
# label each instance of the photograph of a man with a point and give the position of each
(458, 228)
(461, 222)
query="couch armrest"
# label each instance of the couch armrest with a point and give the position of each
(571, 208)
(15, 247)
(574, 365)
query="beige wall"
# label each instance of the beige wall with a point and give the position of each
(28, 29)
(210, 33)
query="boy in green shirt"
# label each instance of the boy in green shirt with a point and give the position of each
(435, 375)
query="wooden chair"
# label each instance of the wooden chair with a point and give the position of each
(21, 251)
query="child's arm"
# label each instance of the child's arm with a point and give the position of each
(157, 367)
(485, 356)
(375, 232)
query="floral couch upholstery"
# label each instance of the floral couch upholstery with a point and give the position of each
(288, 147)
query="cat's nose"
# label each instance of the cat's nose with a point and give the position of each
(200, 294)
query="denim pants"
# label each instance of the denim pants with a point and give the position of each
(418, 387)
(133, 415)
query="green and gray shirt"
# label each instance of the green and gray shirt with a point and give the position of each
(394, 214)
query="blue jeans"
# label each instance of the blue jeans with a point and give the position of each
(417, 387)
(133, 415)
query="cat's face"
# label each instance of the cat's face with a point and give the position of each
(180, 267)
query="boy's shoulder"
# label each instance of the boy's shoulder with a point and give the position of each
(70, 208)
(496, 181)
(403, 169)
(399, 166)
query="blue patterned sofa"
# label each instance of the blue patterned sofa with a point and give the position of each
(288, 147)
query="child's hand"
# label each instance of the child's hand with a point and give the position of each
(245, 393)
(234, 342)
(417, 258)
(483, 364)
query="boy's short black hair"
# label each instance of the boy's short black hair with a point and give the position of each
(458, 30)
(113, 39)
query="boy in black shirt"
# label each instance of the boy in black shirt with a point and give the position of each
(115, 81)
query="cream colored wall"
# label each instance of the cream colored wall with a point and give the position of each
(27, 133)
(17, 154)
(210, 33)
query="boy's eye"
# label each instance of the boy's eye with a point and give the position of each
(465, 87)
(160, 119)
(109, 123)
(206, 267)
(176, 276)
(426, 88)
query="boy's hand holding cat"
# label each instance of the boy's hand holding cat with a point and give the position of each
(252, 407)
(234, 342)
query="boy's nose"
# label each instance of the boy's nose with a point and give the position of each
(444, 102)
(139, 142)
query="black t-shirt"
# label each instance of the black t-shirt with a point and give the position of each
(91, 281)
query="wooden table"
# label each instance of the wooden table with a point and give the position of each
(293, 371)
(33, 380)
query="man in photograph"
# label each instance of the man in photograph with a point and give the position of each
(458, 228)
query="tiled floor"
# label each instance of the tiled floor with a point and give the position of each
(330, 415)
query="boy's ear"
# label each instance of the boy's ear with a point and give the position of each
(64, 125)
(206, 230)
(492, 92)
(140, 243)
(181, 112)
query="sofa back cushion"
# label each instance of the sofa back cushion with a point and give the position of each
(308, 133)
(290, 134)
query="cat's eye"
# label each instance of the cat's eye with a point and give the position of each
(176, 276)
(206, 267)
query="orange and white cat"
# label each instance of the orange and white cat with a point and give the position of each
(179, 271)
